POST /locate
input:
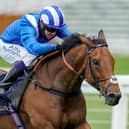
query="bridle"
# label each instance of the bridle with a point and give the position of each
(87, 64)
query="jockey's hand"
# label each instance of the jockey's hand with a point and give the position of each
(59, 46)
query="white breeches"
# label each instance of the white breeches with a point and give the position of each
(13, 52)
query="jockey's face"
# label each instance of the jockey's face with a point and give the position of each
(49, 34)
(47, 31)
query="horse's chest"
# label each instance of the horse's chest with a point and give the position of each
(73, 114)
(71, 119)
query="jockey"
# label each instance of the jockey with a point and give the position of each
(26, 38)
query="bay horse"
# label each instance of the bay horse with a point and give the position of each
(53, 98)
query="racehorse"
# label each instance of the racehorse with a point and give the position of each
(53, 98)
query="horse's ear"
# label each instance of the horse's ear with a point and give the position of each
(101, 36)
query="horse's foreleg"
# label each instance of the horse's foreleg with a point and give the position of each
(84, 125)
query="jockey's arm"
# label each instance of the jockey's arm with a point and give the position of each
(30, 42)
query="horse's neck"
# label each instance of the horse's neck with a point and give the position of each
(58, 75)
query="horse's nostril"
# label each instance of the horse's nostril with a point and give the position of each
(113, 99)
(111, 96)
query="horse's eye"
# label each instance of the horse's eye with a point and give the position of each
(95, 62)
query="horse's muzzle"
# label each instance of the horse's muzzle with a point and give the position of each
(112, 99)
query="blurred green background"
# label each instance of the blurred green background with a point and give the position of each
(122, 64)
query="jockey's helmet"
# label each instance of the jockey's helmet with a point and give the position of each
(52, 16)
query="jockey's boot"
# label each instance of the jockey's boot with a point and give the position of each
(16, 70)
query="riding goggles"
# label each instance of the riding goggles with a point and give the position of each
(50, 29)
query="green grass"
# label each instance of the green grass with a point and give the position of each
(122, 64)
(99, 114)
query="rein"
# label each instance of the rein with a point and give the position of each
(72, 69)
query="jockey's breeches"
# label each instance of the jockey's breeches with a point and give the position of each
(13, 52)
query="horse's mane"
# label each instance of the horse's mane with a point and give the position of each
(71, 41)
(74, 40)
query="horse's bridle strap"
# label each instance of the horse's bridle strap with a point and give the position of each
(66, 63)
